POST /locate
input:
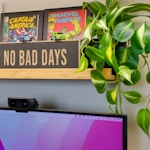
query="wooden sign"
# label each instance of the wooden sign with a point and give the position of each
(43, 60)
(40, 55)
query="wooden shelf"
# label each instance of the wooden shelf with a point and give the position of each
(27, 61)
(51, 74)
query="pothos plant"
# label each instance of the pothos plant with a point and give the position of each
(111, 38)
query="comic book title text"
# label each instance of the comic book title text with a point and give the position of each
(24, 21)
(64, 17)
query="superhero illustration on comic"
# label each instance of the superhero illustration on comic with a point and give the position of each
(65, 24)
(20, 27)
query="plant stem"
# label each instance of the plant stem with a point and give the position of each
(111, 82)
(111, 109)
(146, 62)
(148, 101)
(119, 96)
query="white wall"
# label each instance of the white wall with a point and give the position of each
(71, 95)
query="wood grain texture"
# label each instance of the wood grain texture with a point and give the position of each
(51, 74)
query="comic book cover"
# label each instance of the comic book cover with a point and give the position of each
(21, 26)
(64, 24)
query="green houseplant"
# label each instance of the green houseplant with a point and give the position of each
(111, 38)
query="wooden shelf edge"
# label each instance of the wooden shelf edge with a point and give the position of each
(45, 73)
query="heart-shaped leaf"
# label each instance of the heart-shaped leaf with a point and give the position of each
(126, 57)
(123, 31)
(143, 120)
(95, 7)
(98, 80)
(83, 63)
(135, 77)
(125, 73)
(111, 3)
(94, 53)
(112, 96)
(148, 77)
(132, 96)
(137, 40)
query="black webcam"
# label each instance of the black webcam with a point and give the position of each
(22, 104)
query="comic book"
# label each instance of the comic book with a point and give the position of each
(64, 24)
(20, 26)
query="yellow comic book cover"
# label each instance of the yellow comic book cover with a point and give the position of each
(23, 25)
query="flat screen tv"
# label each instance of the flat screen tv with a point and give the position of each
(61, 130)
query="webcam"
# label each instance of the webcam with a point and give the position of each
(22, 104)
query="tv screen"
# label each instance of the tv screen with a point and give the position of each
(61, 130)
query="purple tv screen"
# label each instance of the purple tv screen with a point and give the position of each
(59, 130)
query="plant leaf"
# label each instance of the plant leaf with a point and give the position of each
(94, 53)
(88, 33)
(83, 44)
(95, 7)
(111, 3)
(148, 77)
(137, 7)
(101, 24)
(125, 73)
(106, 47)
(97, 65)
(147, 39)
(140, 41)
(132, 96)
(98, 80)
(143, 120)
(83, 64)
(111, 13)
(118, 13)
(111, 96)
(123, 31)
(135, 77)
(127, 57)
(137, 41)
(108, 52)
